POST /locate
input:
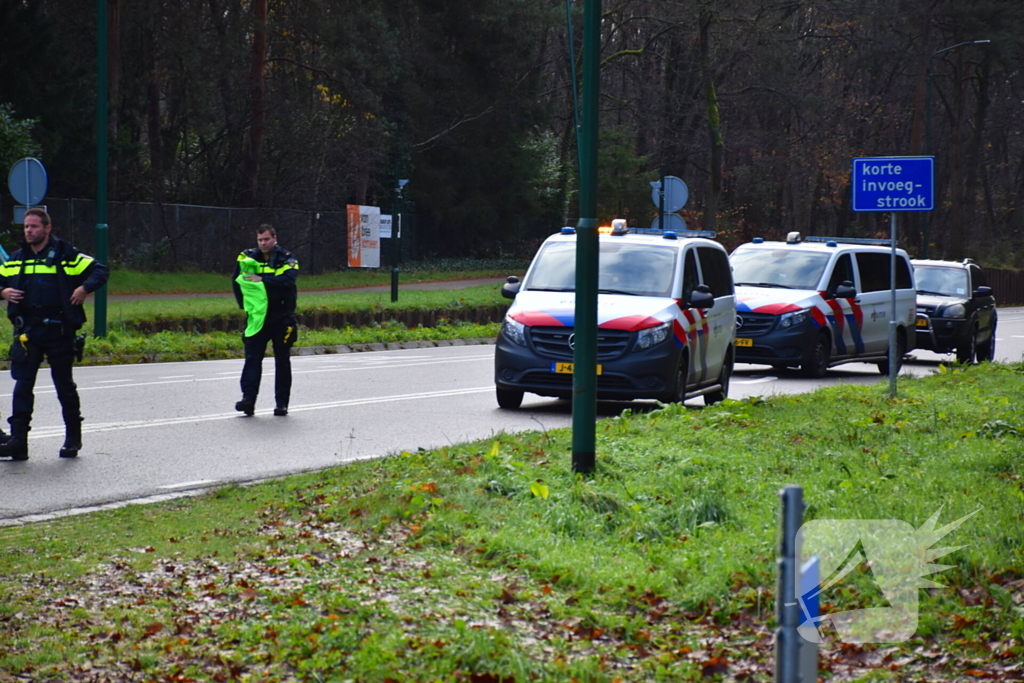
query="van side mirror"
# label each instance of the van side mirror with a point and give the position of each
(702, 297)
(982, 292)
(845, 291)
(511, 287)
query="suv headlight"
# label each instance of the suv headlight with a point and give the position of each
(793, 318)
(514, 330)
(652, 336)
(954, 311)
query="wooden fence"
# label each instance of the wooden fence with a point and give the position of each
(1007, 286)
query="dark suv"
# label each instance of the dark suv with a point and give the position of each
(955, 310)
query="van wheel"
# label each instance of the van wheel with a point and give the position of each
(817, 364)
(723, 379)
(901, 350)
(509, 399)
(678, 394)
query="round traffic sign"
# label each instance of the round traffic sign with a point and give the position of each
(27, 181)
(673, 221)
(676, 194)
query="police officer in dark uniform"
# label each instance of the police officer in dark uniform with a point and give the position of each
(45, 284)
(276, 270)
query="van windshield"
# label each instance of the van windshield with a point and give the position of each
(789, 268)
(623, 268)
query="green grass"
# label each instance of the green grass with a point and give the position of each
(492, 561)
(137, 282)
(124, 343)
(185, 308)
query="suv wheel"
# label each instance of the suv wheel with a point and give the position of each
(509, 399)
(966, 351)
(901, 350)
(987, 351)
(817, 364)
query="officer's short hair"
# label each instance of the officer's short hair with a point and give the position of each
(266, 227)
(43, 216)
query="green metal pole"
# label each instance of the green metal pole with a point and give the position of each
(100, 313)
(584, 382)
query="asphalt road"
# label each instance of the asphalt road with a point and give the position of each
(164, 429)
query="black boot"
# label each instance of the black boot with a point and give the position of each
(16, 446)
(3, 437)
(72, 439)
(247, 406)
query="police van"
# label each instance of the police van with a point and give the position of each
(666, 314)
(817, 302)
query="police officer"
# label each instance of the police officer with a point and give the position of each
(45, 284)
(264, 285)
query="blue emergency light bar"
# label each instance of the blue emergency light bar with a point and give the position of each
(710, 234)
(851, 240)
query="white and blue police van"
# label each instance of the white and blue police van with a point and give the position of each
(816, 302)
(666, 314)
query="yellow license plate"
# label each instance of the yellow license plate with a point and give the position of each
(566, 368)
(744, 342)
(922, 322)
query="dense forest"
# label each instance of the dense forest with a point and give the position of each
(758, 105)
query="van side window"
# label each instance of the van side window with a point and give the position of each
(690, 281)
(714, 267)
(874, 272)
(842, 272)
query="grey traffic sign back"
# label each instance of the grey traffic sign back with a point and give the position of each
(889, 184)
(673, 221)
(27, 181)
(676, 194)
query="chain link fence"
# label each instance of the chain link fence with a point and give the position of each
(165, 237)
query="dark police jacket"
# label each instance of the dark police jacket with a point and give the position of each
(71, 267)
(279, 273)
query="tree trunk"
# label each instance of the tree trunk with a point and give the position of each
(714, 123)
(257, 91)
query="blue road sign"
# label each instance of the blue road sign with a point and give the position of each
(893, 184)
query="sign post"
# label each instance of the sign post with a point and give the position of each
(893, 184)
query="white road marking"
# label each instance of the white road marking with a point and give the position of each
(757, 380)
(175, 376)
(266, 373)
(111, 381)
(49, 432)
(188, 484)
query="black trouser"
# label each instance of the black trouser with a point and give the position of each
(58, 346)
(282, 335)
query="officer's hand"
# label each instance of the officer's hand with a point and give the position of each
(253, 277)
(79, 296)
(12, 295)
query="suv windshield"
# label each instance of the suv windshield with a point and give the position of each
(624, 268)
(941, 281)
(790, 268)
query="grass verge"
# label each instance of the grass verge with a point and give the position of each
(137, 282)
(492, 562)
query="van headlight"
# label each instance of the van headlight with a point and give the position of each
(514, 330)
(793, 318)
(652, 336)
